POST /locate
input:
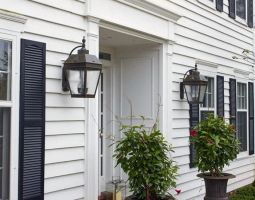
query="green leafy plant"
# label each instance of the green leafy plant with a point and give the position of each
(215, 145)
(144, 157)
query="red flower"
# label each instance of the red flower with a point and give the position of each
(178, 191)
(193, 133)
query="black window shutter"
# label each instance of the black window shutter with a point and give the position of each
(232, 101)
(250, 13)
(32, 120)
(251, 117)
(194, 119)
(220, 96)
(232, 8)
(219, 5)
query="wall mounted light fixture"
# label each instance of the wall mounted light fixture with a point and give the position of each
(81, 73)
(194, 86)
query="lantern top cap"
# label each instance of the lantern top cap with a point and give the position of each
(194, 77)
(82, 57)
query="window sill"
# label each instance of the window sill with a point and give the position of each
(208, 4)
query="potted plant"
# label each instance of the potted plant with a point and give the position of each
(143, 155)
(215, 145)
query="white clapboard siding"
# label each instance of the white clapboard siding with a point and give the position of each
(64, 155)
(64, 182)
(64, 168)
(67, 194)
(205, 34)
(61, 25)
(61, 127)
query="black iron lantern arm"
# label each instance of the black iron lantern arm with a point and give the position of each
(80, 46)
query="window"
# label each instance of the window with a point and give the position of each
(5, 112)
(208, 105)
(242, 115)
(241, 9)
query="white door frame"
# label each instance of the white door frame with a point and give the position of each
(92, 131)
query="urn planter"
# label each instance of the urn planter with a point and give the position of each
(216, 186)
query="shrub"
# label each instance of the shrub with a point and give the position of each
(144, 157)
(215, 145)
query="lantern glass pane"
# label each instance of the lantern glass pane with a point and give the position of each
(92, 80)
(76, 81)
(202, 94)
(192, 92)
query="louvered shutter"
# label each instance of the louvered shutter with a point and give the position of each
(250, 13)
(232, 8)
(32, 120)
(219, 5)
(232, 101)
(194, 119)
(251, 117)
(220, 96)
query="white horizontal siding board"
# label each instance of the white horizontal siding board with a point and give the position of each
(54, 72)
(180, 142)
(60, 127)
(64, 114)
(63, 155)
(54, 86)
(180, 123)
(224, 33)
(72, 6)
(180, 151)
(214, 19)
(182, 160)
(53, 44)
(65, 168)
(213, 41)
(64, 182)
(60, 100)
(67, 194)
(56, 58)
(48, 29)
(34, 10)
(64, 141)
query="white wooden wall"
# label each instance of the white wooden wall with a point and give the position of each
(202, 33)
(61, 24)
(208, 35)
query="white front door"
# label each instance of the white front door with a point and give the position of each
(130, 87)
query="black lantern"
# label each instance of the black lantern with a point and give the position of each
(194, 86)
(81, 73)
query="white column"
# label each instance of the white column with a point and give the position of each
(92, 127)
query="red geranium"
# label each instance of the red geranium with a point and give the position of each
(193, 133)
(178, 191)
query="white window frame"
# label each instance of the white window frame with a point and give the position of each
(215, 96)
(13, 104)
(239, 19)
(243, 153)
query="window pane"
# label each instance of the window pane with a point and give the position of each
(4, 152)
(242, 129)
(241, 8)
(209, 95)
(5, 70)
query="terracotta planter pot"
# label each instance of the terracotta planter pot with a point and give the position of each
(216, 187)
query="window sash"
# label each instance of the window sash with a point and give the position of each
(242, 129)
(209, 100)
